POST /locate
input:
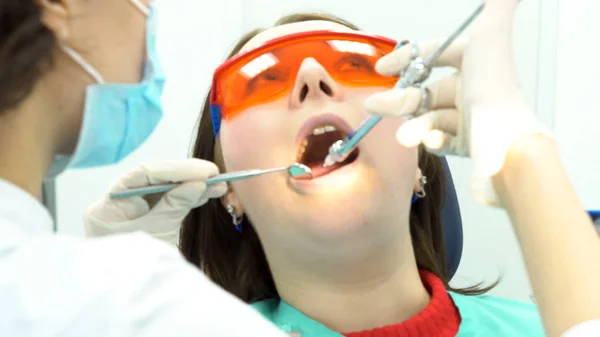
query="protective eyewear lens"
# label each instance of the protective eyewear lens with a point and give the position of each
(268, 73)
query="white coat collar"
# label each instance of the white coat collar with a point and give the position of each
(21, 216)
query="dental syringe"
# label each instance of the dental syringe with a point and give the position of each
(417, 72)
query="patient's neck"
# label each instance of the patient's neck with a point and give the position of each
(375, 290)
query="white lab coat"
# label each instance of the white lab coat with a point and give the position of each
(130, 285)
(586, 329)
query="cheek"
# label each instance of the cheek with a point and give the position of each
(258, 140)
(254, 139)
(395, 162)
(381, 142)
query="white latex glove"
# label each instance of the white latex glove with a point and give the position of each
(160, 219)
(479, 111)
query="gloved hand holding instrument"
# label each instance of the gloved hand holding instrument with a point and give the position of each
(156, 197)
(159, 215)
(471, 113)
(412, 74)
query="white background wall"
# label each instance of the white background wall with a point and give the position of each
(550, 44)
(577, 101)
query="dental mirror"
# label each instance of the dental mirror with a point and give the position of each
(294, 171)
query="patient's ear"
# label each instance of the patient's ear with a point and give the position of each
(418, 188)
(230, 200)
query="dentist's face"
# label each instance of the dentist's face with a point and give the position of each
(110, 36)
(369, 194)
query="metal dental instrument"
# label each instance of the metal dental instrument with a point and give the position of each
(417, 72)
(295, 170)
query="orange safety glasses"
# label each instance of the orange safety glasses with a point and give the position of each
(268, 72)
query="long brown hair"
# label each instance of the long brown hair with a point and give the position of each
(236, 261)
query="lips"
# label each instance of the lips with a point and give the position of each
(315, 122)
(314, 139)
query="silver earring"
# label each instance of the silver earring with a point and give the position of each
(237, 220)
(422, 193)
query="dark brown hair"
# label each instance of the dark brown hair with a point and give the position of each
(236, 261)
(26, 48)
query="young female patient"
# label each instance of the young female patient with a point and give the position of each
(353, 251)
(349, 251)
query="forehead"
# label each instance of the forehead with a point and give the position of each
(292, 28)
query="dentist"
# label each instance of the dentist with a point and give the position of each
(80, 86)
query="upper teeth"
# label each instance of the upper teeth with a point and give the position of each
(322, 129)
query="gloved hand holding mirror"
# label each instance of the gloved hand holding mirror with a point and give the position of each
(160, 215)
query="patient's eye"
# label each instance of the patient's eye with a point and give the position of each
(266, 80)
(354, 63)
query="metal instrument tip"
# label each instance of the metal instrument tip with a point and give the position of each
(328, 161)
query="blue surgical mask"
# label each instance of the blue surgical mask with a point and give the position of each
(117, 118)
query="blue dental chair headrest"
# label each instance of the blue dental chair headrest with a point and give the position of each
(595, 215)
(452, 222)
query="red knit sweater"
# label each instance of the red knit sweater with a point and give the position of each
(439, 319)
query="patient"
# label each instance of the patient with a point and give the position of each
(357, 251)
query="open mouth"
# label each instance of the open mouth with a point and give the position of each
(315, 147)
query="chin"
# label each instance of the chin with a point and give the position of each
(344, 205)
(337, 204)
